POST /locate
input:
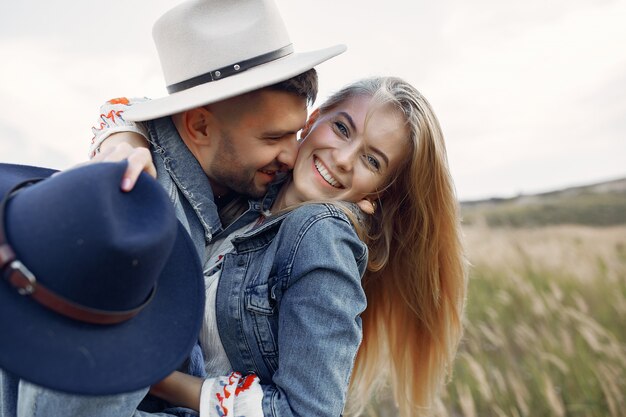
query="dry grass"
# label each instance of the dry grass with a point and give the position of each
(546, 317)
(579, 252)
(545, 325)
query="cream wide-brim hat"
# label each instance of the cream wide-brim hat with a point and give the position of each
(211, 50)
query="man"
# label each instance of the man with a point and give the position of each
(238, 96)
(235, 106)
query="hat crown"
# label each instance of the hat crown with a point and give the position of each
(207, 35)
(90, 243)
(77, 232)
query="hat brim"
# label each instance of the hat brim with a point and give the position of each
(66, 355)
(13, 174)
(56, 352)
(252, 79)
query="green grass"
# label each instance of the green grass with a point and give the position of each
(585, 208)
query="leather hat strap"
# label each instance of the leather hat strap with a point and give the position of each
(18, 276)
(228, 70)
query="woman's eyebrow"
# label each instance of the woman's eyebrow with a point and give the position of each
(349, 119)
(380, 153)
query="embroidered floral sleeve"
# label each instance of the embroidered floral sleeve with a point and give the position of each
(112, 121)
(233, 395)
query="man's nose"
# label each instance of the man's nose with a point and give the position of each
(288, 153)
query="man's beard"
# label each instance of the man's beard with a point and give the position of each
(228, 172)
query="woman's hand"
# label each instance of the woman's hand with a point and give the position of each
(179, 389)
(132, 147)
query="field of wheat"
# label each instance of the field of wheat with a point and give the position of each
(545, 324)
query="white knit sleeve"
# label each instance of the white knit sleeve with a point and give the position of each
(233, 395)
(112, 120)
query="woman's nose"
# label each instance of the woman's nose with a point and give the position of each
(345, 157)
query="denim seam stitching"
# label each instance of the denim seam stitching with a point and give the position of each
(208, 235)
(305, 228)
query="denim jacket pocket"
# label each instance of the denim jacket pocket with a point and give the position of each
(261, 305)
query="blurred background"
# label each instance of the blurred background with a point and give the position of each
(532, 99)
(531, 95)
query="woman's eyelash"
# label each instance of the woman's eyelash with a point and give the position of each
(373, 162)
(342, 128)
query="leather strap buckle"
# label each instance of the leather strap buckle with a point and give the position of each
(23, 280)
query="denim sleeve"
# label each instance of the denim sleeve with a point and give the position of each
(8, 394)
(319, 320)
(36, 401)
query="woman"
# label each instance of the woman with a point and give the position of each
(376, 140)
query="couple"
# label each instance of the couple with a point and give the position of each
(303, 300)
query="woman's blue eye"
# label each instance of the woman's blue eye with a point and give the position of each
(372, 161)
(342, 128)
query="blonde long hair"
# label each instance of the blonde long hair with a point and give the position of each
(416, 279)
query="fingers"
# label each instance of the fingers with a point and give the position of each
(119, 152)
(100, 157)
(139, 160)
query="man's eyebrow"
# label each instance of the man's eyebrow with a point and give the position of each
(283, 132)
(280, 133)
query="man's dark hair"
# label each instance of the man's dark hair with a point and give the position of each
(303, 85)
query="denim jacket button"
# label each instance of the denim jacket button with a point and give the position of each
(241, 262)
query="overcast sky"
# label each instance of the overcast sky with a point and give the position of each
(531, 95)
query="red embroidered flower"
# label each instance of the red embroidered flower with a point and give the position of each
(119, 100)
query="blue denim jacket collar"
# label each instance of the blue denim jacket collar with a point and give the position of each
(186, 172)
(260, 235)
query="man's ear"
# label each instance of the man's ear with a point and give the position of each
(197, 125)
(309, 123)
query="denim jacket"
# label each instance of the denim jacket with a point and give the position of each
(288, 308)
(288, 300)
(188, 187)
(299, 272)
(190, 191)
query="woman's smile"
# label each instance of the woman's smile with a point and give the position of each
(348, 153)
(327, 176)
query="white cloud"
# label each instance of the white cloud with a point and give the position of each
(530, 94)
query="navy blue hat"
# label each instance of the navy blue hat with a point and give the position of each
(102, 291)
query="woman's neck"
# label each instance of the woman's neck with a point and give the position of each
(283, 199)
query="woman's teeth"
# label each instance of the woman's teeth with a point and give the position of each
(325, 174)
